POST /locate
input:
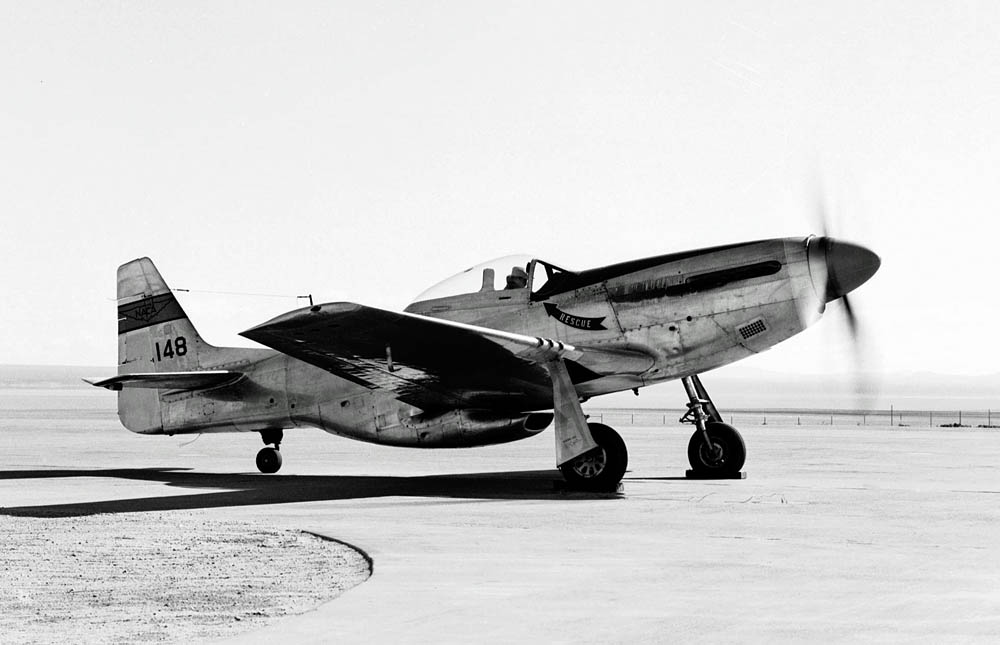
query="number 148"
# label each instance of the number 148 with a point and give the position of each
(173, 347)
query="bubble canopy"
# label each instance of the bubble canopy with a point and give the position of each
(511, 272)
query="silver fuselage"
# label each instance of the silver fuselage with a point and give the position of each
(670, 317)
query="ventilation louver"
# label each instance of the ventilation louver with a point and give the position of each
(752, 328)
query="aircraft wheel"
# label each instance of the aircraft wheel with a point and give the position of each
(602, 468)
(727, 454)
(268, 460)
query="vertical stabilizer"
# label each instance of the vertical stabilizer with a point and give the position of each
(154, 335)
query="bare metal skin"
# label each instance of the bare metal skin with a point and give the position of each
(483, 365)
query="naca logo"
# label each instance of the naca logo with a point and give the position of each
(146, 310)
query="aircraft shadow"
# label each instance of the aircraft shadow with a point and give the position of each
(253, 489)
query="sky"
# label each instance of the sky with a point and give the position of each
(364, 151)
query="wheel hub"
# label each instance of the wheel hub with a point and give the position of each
(591, 464)
(713, 454)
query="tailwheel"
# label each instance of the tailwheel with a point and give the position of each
(602, 468)
(268, 460)
(726, 454)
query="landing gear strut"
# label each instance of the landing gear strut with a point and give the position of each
(716, 449)
(269, 459)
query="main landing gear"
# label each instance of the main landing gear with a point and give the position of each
(602, 468)
(269, 459)
(716, 449)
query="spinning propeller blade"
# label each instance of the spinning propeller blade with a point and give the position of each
(841, 268)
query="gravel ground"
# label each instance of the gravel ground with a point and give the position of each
(160, 577)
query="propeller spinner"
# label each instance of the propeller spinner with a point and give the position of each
(839, 267)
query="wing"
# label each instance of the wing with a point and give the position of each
(169, 380)
(427, 362)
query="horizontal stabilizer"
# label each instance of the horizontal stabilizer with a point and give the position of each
(200, 380)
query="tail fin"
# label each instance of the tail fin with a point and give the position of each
(154, 335)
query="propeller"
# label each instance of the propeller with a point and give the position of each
(838, 267)
(852, 320)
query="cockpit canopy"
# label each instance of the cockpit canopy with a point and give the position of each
(511, 272)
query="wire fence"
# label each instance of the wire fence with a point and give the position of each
(882, 418)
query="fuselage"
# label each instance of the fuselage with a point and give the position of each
(649, 321)
(667, 316)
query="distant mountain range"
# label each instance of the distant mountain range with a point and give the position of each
(731, 388)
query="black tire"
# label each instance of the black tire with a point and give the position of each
(268, 460)
(602, 468)
(728, 461)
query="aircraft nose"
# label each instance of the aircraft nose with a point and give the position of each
(848, 266)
